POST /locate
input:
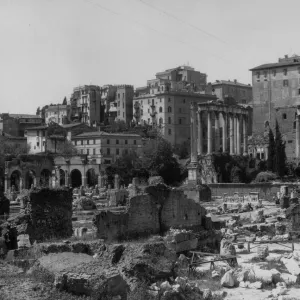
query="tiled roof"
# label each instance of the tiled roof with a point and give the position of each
(275, 65)
(71, 125)
(231, 83)
(102, 133)
(37, 127)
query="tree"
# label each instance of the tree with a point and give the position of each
(65, 101)
(280, 156)
(67, 148)
(162, 162)
(38, 111)
(271, 151)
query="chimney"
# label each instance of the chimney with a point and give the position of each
(235, 81)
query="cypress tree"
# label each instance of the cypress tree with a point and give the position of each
(271, 152)
(280, 157)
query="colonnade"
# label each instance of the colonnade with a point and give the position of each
(234, 123)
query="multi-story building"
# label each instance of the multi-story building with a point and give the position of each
(167, 101)
(86, 105)
(108, 96)
(274, 84)
(240, 92)
(16, 124)
(124, 103)
(59, 114)
(105, 147)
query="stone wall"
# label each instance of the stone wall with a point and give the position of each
(266, 190)
(45, 213)
(155, 211)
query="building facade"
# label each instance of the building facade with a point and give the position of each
(124, 103)
(274, 84)
(166, 102)
(241, 93)
(16, 124)
(86, 105)
(59, 114)
(108, 96)
(105, 147)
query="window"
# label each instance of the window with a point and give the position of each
(257, 75)
(118, 96)
(179, 121)
(183, 100)
(285, 82)
(294, 124)
(284, 116)
(148, 101)
(169, 109)
(123, 95)
(81, 142)
(94, 151)
(284, 71)
(123, 114)
(117, 142)
(141, 112)
(37, 144)
(117, 151)
(169, 100)
(169, 120)
(274, 73)
(265, 74)
(108, 142)
(118, 112)
(75, 143)
(160, 109)
(81, 151)
(298, 91)
(88, 142)
(106, 161)
(126, 142)
(87, 151)
(161, 121)
(108, 151)
(169, 131)
(148, 120)
(123, 104)
(134, 142)
(94, 142)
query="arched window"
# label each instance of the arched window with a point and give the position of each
(170, 120)
(160, 109)
(284, 116)
(169, 109)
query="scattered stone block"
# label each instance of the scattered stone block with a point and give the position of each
(227, 280)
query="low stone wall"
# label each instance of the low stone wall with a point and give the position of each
(155, 211)
(45, 213)
(266, 190)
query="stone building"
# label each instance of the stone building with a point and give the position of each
(166, 101)
(16, 124)
(240, 92)
(105, 147)
(59, 114)
(124, 103)
(216, 127)
(86, 105)
(274, 84)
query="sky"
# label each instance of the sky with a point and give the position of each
(48, 47)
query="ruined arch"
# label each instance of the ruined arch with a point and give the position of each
(91, 177)
(45, 178)
(76, 179)
(16, 179)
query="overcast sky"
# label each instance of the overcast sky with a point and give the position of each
(50, 46)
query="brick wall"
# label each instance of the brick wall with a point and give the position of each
(266, 190)
(46, 213)
(155, 211)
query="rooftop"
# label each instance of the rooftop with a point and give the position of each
(37, 127)
(19, 116)
(276, 65)
(102, 133)
(66, 126)
(228, 82)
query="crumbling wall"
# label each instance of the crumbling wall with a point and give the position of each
(46, 213)
(153, 212)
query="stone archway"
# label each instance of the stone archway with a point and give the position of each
(15, 180)
(29, 179)
(45, 178)
(76, 178)
(91, 177)
(62, 177)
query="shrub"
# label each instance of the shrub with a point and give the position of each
(265, 177)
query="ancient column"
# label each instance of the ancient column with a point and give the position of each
(217, 132)
(224, 131)
(5, 183)
(245, 136)
(209, 133)
(231, 135)
(298, 136)
(193, 133)
(200, 134)
(117, 182)
(238, 135)
(235, 134)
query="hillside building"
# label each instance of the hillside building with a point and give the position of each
(59, 114)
